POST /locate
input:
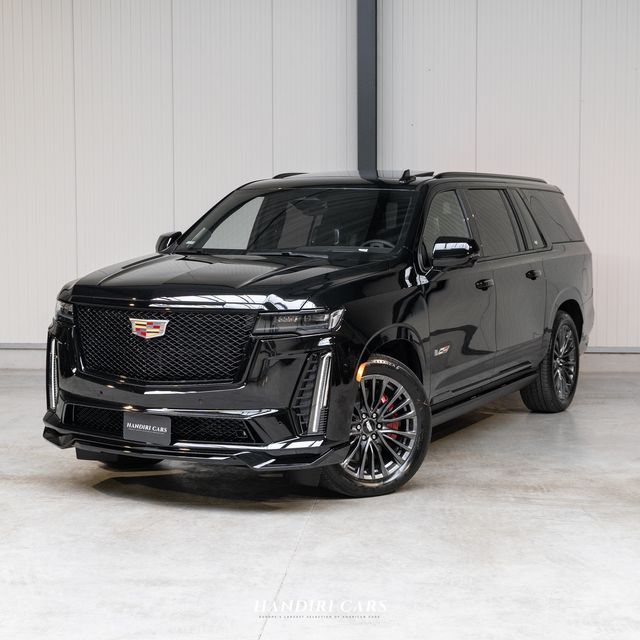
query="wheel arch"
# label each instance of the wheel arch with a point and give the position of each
(569, 301)
(399, 341)
(572, 307)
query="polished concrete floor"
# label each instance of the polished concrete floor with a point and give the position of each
(518, 526)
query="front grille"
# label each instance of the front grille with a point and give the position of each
(211, 346)
(193, 429)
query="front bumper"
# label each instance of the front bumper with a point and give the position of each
(292, 454)
(264, 401)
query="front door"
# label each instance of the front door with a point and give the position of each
(461, 304)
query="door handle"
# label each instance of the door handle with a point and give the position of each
(533, 274)
(484, 284)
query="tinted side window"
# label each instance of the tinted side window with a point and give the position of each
(445, 218)
(494, 220)
(552, 213)
(534, 238)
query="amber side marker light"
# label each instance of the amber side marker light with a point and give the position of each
(360, 371)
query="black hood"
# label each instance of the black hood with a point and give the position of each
(290, 279)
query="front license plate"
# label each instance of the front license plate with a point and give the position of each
(145, 427)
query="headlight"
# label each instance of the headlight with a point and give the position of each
(64, 310)
(300, 323)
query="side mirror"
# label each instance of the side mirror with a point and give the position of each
(451, 252)
(166, 240)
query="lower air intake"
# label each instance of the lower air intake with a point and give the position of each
(183, 428)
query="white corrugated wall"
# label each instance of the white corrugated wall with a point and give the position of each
(546, 88)
(37, 164)
(121, 119)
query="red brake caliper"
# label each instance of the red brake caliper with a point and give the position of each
(390, 425)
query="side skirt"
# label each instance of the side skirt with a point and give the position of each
(441, 416)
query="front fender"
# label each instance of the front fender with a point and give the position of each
(392, 335)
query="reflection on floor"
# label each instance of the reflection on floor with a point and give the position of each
(517, 526)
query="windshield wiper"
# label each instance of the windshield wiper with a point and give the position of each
(294, 254)
(194, 252)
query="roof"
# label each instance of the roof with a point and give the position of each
(337, 178)
(389, 178)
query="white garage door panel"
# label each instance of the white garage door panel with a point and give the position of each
(552, 90)
(121, 119)
(37, 202)
(426, 92)
(610, 164)
(123, 128)
(529, 90)
(314, 85)
(222, 100)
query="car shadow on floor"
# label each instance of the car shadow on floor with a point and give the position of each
(199, 485)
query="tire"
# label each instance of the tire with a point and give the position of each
(393, 436)
(124, 463)
(553, 389)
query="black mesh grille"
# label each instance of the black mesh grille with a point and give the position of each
(304, 393)
(221, 430)
(197, 345)
(210, 430)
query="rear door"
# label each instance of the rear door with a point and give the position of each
(461, 304)
(519, 278)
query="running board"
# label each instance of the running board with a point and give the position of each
(477, 401)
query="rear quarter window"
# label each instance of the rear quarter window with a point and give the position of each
(553, 215)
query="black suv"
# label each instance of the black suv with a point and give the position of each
(323, 324)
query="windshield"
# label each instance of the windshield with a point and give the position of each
(304, 220)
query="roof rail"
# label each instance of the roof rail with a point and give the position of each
(278, 176)
(498, 176)
(406, 176)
